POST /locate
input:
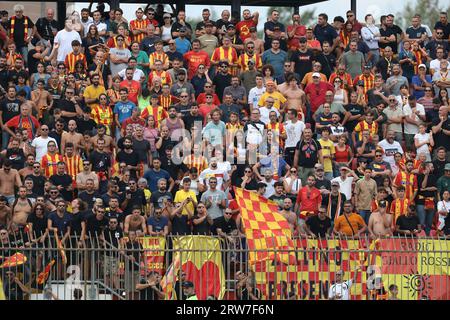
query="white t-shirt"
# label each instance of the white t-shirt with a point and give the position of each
(86, 25)
(422, 138)
(221, 176)
(390, 150)
(296, 185)
(265, 112)
(294, 132)
(436, 65)
(255, 94)
(407, 111)
(224, 166)
(64, 39)
(40, 144)
(345, 186)
(443, 206)
(343, 289)
(270, 189)
(138, 73)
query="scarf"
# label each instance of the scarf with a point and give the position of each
(338, 207)
(13, 25)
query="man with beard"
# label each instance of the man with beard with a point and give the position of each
(308, 152)
(101, 135)
(161, 196)
(28, 168)
(155, 174)
(349, 224)
(38, 179)
(15, 154)
(71, 137)
(380, 222)
(132, 197)
(69, 106)
(334, 202)
(63, 182)
(396, 80)
(308, 200)
(129, 156)
(390, 147)
(290, 216)
(122, 110)
(93, 92)
(101, 164)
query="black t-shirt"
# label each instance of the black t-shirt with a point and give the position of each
(172, 168)
(323, 184)
(13, 75)
(101, 162)
(133, 249)
(38, 184)
(131, 159)
(141, 148)
(319, 227)
(114, 214)
(394, 30)
(278, 199)
(9, 108)
(407, 223)
(17, 158)
(439, 167)
(201, 25)
(445, 28)
(374, 100)
(68, 106)
(44, 28)
(39, 224)
(189, 120)
(354, 109)
(271, 25)
(431, 182)
(203, 228)
(148, 293)
(441, 139)
(176, 28)
(85, 125)
(368, 148)
(157, 198)
(221, 81)
(75, 224)
(112, 238)
(334, 203)
(385, 67)
(106, 71)
(308, 153)
(226, 226)
(61, 223)
(55, 135)
(89, 198)
(32, 62)
(181, 225)
(303, 62)
(94, 227)
(137, 199)
(63, 180)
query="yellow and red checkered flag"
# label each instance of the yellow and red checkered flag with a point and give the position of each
(43, 276)
(267, 231)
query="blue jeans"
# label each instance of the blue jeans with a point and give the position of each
(24, 52)
(365, 214)
(328, 175)
(425, 217)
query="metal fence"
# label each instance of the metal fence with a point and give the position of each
(406, 268)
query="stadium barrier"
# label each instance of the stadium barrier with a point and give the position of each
(417, 268)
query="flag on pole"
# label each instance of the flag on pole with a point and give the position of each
(43, 276)
(267, 231)
(169, 278)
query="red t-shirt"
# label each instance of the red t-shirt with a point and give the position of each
(243, 27)
(133, 90)
(316, 94)
(204, 109)
(194, 59)
(309, 200)
(15, 121)
(300, 31)
(202, 99)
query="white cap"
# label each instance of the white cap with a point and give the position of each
(422, 65)
(316, 74)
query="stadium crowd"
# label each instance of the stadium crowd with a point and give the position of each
(144, 127)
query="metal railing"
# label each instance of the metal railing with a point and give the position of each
(95, 270)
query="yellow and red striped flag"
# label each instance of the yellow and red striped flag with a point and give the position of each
(169, 278)
(43, 276)
(267, 231)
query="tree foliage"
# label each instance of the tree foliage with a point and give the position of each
(428, 10)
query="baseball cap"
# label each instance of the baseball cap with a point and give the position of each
(183, 29)
(447, 166)
(188, 284)
(167, 15)
(181, 71)
(362, 159)
(316, 75)
(382, 203)
(422, 66)
(231, 26)
(208, 24)
(335, 183)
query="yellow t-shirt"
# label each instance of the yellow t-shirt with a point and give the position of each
(327, 149)
(277, 97)
(93, 93)
(181, 195)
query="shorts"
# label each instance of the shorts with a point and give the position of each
(111, 265)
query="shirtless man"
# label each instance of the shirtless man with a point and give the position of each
(71, 136)
(85, 175)
(41, 98)
(290, 216)
(380, 222)
(135, 222)
(101, 134)
(296, 97)
(5, 212)
(9, 179)
(259, 44)
(21, 208)
(28, 166)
